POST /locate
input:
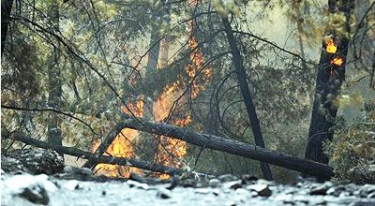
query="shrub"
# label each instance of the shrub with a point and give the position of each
(352, 151)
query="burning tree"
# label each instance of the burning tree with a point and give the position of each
(331, 74)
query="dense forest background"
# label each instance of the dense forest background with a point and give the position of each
(242, 70)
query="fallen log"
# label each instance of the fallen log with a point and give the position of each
(97, 158)
(321, 171)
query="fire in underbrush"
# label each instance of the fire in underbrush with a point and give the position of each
(171, 152)
(168, 151)
(121, 147)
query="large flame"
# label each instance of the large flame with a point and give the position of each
(169, 151)
(121, 147)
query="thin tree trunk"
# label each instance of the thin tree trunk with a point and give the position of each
(328, 83)
(54, 83)
(153, 56)
(164, 50)
(6, 8)
(245, 91)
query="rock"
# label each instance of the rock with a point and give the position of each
(137, 185)
(188, 183)
(11, 165)
(262, 189)
(336, 191)
(368, 188)
(214, 183)
(285, 198)
(76, 173)
(77, 170)
(71, 185)
(164, 194)
(232, 185)
(371, 195)
(203, 190)
(319, 190)
(248, 179)
(32, 188)
(227, 178)
(35, 194)
(332, 191)
(17, 183)
(34, 161)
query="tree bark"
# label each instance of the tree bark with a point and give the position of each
(6, 8)
(245, 91)
(231, 146)
(327, 89)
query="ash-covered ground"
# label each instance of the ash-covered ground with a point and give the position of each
(63, 189)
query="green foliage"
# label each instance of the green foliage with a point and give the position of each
(352, 152)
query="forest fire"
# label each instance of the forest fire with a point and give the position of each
(121, 147)
(168, 151)
(171, 152)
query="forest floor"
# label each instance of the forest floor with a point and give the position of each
(25, 189)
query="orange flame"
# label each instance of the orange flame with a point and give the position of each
(331, 47)
(338, 61)
(121, 147)
(171, 152)
(197, 62)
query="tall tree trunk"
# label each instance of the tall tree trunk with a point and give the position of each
(153, 56)
(54, 82)
(6, 8)
(164, 51)
(245, 91)
(328, 82)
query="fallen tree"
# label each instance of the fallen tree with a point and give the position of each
(96, 158)
(321, 171)
(305, 166)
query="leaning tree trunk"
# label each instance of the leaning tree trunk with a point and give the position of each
(330, 76)
(245, 91)
(6, 8)
(54, 82)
